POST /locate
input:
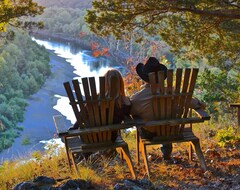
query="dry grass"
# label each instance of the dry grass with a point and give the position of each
(106, 172)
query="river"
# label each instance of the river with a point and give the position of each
(67, 63)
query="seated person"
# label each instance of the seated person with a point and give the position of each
(122, 102)
(142, 101)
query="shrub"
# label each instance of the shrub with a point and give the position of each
(26, 141)
(228, 137)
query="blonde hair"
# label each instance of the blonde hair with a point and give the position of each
(120, 88)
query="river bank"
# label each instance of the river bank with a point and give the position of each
(38, 124)
(85, 45)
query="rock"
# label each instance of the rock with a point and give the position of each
(43, 180)
(77, 184)
(39, 183)
(26, 186)
(134, 185)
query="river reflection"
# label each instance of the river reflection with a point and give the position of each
(84, 65)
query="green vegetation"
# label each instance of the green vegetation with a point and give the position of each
(219, 81)
(24, 66)
(193, 28)
(219, 88)
(228, 136)
(26, 141)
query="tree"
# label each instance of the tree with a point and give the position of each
(12, 10)
(193, 28)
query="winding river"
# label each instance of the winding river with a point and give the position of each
(67, 63)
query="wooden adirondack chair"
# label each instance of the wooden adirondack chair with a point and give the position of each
(171, 107)
(94, 115)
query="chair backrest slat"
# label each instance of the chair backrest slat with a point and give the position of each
(79, 101)
(169, 103)
(178, 82)
(81, 106)
(161, 80)
(89, 106)
(171, 97)
(190, 90)
(112, 93)
(73, 102)
(184, 90)
(95, 100)
(97, 137)
(103, 105)
(154, 86)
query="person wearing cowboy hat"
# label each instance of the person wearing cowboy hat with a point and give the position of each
(142, 101)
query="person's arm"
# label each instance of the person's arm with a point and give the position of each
(197, 104)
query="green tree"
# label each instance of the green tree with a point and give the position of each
(193, 28)
(219, 89)
(12, 11)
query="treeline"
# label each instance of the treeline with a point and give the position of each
(64, 21)
(24, 66)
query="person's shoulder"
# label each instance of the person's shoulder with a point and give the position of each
(142, 92)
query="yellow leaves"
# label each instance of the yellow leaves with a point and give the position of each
(3, 27)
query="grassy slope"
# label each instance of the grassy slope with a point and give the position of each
(223, 165)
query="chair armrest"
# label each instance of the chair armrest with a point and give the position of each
(60, 124)
(113, 127)
(202, 114)
(63, 130)
(139, 122)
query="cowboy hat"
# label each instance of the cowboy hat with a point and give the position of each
(152, 65)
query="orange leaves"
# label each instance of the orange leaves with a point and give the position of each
(102, 52)
(98, 51)
(132, 81)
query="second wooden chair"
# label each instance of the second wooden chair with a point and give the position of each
(94, 115)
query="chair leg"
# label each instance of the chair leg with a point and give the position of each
(190, 151)
(137, 146)
(199, 153)
(128, 159)
(121, 154)
(144, 154)
(69, 162)
(74, 164)
(67, 152)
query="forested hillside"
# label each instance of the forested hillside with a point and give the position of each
(24, 66)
